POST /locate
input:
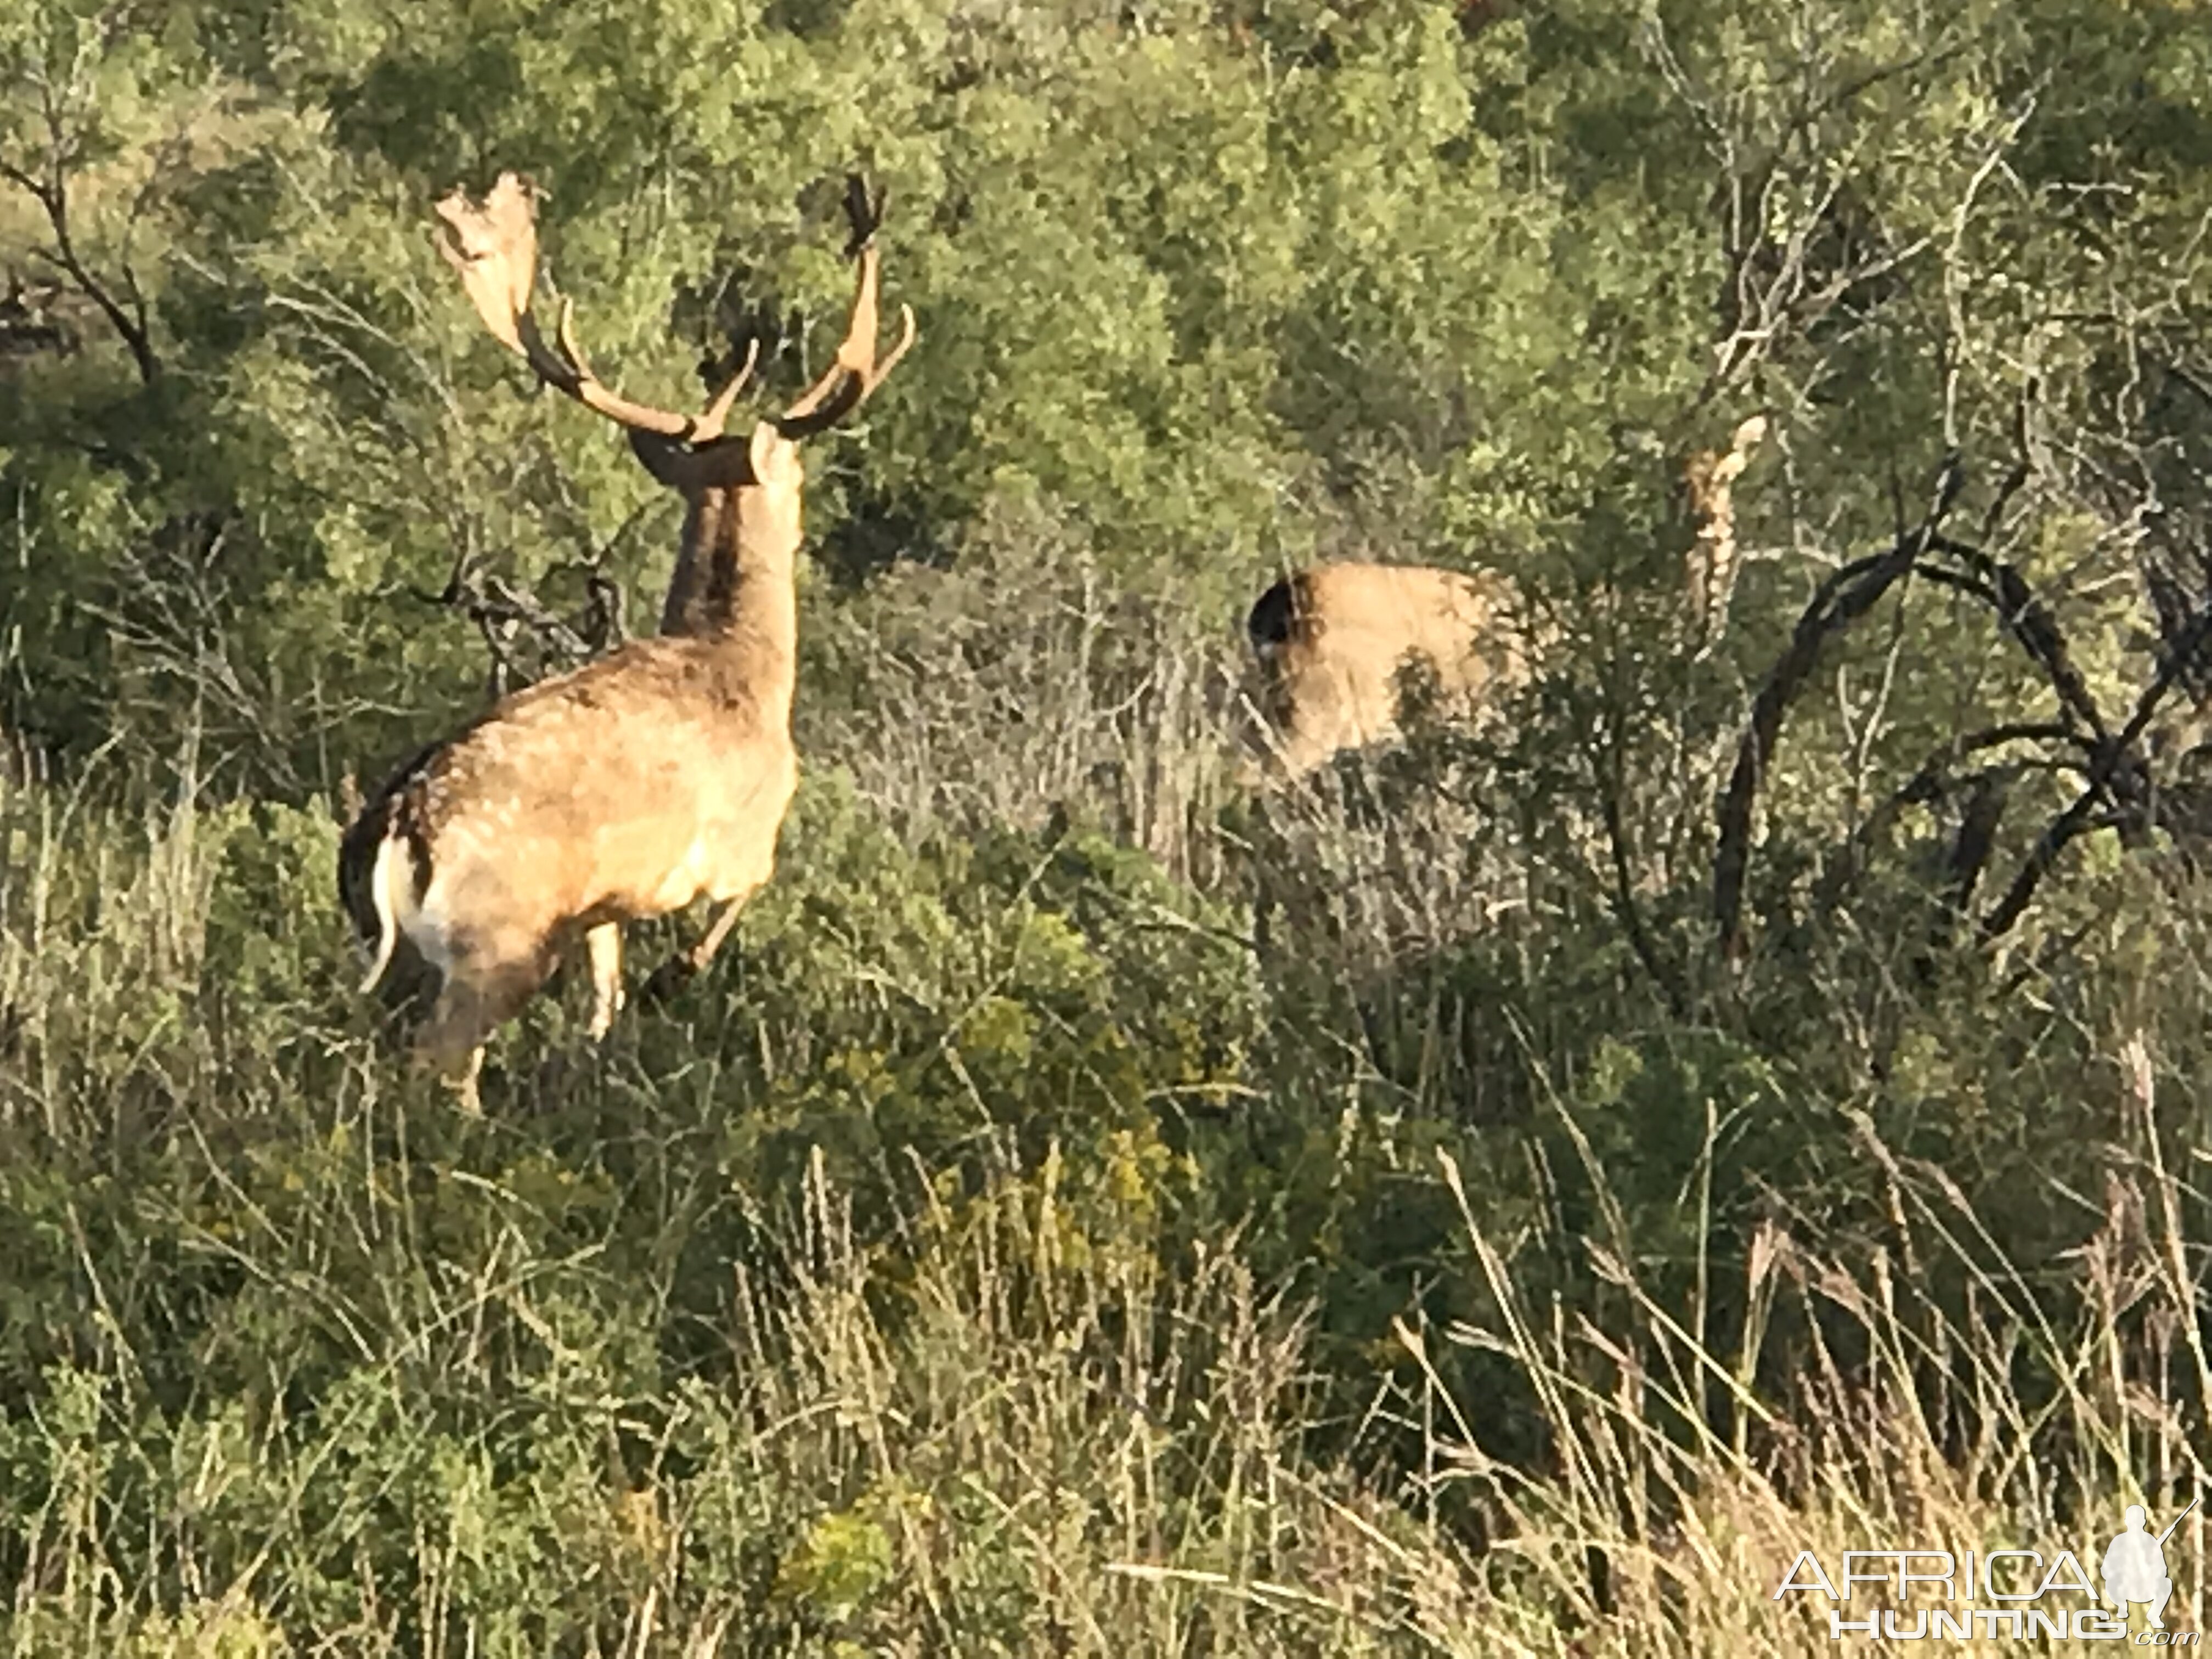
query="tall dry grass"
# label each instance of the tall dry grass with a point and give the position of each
(295, 1362)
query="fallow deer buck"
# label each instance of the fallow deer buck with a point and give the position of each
(1333, 639)
(643, 780)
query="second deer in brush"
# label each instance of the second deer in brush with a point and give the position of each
(1333, 638)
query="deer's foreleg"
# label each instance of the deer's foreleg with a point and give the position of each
(703, 952)
(680, 969)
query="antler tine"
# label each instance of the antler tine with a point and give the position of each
(710, 423)
(572, 349)
(857, 371)
(864, 215)
(571, 372)
(907, 334)
(838, 391)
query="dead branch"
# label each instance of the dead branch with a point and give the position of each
(2110, 758)
(120, 301)
(1932, 784)
(1842, 599)
(501, 610)
(2025, 617)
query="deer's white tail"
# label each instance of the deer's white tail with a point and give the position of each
(393, 865)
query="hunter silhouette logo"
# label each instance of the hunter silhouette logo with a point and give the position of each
(2010, 1595)
(2135, 1566)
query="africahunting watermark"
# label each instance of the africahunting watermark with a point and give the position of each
(2002, 1594)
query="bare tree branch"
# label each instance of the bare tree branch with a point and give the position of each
(2025, 617)
(52, 192)
(2111, 757)
(1842, 599)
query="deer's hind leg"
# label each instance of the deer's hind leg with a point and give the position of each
(476, 1000)
(685, 966)
(703, 952)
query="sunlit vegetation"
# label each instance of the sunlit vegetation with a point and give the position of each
(1510, 1193)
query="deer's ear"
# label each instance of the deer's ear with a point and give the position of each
(775, 458)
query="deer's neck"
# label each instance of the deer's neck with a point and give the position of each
(735, 582)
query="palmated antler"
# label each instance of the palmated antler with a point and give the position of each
(492, 244)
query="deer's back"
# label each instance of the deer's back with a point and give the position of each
(619, 789)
